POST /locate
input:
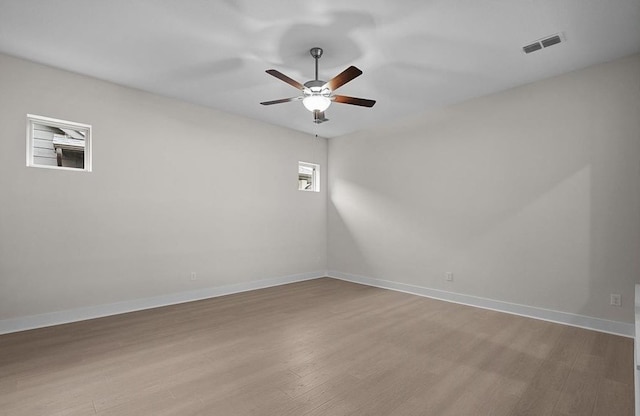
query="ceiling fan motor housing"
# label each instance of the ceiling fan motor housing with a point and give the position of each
(316, 83)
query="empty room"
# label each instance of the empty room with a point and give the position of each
(323, 208)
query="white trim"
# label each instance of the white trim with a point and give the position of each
(636, 305)
(91, 312)
(636, 355)
(57, 168)
(581, 321)
(636, 378)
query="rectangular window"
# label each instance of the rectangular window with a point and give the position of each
(58, 144)
(308, 177)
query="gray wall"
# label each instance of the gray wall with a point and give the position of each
(175, 188)
(529, 196)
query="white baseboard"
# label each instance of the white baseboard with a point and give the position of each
(582, 321)
(90, 312)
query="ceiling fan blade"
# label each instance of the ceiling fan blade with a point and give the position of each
(353, 100)
(285, 78)
(318, 117)
(343, 77)
(282, 100)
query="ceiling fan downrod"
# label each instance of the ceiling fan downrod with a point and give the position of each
(316, 52)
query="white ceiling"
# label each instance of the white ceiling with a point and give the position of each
(416, 55)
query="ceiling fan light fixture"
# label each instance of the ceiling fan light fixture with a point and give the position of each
(316, 102)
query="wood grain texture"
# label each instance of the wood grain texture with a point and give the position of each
(320, 347)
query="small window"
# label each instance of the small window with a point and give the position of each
(308, 177)
(58, 144)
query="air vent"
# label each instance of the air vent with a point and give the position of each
(551, 41)
(532, 48)
(544, 43)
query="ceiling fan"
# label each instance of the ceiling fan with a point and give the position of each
(317, 95)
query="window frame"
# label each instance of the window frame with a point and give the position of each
(33, 119)
(315, 177)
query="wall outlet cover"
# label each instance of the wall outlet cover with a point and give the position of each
(615, 300)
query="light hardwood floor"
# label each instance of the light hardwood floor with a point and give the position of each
(321, 347)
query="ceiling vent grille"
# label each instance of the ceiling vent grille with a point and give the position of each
(550, 41)
(543, 43)
(532, 47)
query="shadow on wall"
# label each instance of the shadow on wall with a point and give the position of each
(520, 253)
(525, 203)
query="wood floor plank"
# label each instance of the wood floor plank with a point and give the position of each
(537, 402)
(320, 347)
(578, 394)
(616, 358)
(614, 399)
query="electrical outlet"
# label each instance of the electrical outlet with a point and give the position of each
(194, 276)
(448, 276)
(615, 300)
